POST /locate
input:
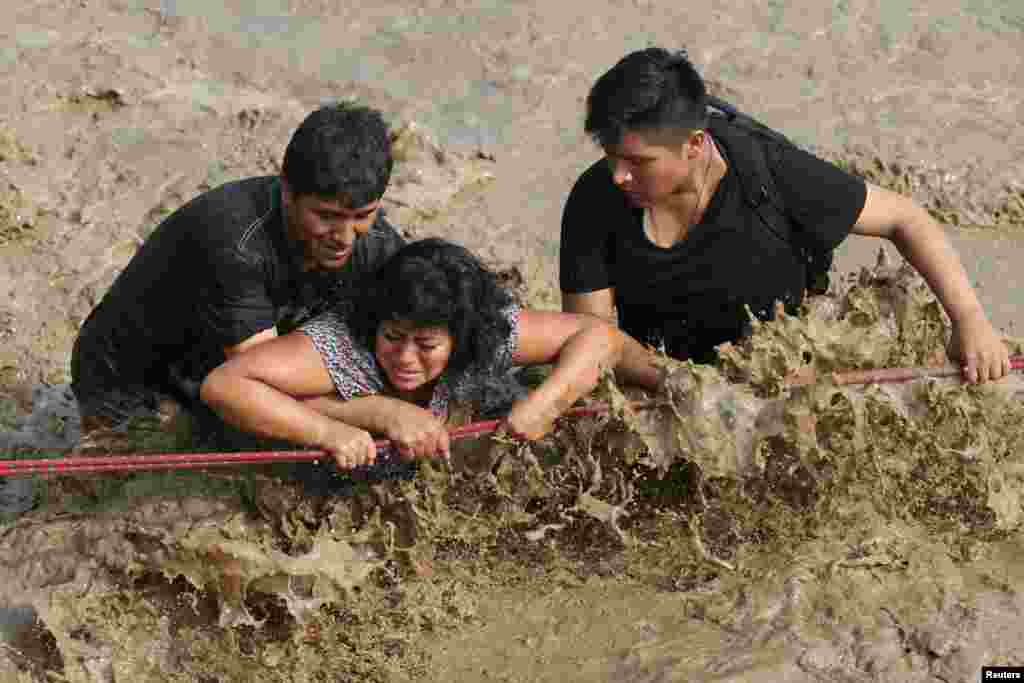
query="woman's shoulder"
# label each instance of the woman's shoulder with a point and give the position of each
(332, 323)
(350, 363)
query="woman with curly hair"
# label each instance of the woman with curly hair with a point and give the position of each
(434, 325)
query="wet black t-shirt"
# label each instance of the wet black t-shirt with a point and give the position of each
(215, 272)
(690, 297)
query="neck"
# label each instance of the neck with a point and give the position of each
(690, 204)
(671, 222)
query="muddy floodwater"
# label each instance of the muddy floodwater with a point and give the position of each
(738, 528)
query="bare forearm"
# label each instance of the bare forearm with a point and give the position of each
(638, 365)
(924, 245)
(258, 408)
(579, 366)
(375, 414)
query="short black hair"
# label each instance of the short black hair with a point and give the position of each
(650, 90)
(340, 150)
(435, 282)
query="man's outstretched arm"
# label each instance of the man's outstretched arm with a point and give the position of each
(922, 242)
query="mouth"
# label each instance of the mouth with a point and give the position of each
(406, 377)
(333, 254)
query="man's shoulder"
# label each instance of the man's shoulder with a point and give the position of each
(596, 178)
(594, 190)
(240, 218)
(383, 229)
(253, 193)
(380, 241)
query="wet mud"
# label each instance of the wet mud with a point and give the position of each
(740, 529)
(737, 527)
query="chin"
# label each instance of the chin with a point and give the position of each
(406, 385)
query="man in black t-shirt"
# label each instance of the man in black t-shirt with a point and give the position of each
(236, 266)
(663, 231)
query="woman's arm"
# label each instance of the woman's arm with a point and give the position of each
(582, 348)
(924, 245)
(415, 432)
(254, 391)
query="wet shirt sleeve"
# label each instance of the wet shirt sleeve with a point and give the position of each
(375, 247)
(824, 200)
(237, 304)
(591, 213)
(353, 368)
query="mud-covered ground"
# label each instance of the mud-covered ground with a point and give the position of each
(846, 534)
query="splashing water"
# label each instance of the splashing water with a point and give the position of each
(816, 533)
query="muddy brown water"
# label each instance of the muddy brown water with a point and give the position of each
(886, 547)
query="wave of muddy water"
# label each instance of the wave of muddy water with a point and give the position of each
(737, 531)
(820, 535)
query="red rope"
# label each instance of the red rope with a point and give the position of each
(889, 375)
(167, 461)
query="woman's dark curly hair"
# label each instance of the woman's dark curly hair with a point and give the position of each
(433, 282)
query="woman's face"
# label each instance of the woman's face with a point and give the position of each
(412, 357)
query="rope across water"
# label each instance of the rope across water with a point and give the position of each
(97, 464)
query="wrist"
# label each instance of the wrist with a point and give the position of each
(320, 432)
(972, 315)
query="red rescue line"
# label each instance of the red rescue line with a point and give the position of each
(179, 461)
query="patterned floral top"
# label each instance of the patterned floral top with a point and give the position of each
(355, 372)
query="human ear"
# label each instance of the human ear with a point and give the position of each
(695, 144)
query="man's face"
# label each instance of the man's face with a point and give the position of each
(650, 169)
(326, 227)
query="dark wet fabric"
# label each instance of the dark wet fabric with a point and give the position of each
(692, 296)
(215, 272)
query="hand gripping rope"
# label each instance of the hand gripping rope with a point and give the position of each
(175, 461)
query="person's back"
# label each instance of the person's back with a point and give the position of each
(150, 314)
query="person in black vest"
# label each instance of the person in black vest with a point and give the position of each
(672, 230)
(235, 267)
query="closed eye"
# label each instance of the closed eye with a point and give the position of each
(336, 216)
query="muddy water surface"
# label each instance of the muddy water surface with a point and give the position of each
(743, 533)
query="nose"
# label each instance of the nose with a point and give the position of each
(343, 231)
(407, 354)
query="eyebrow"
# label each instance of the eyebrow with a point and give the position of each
(630, 157)
(346, 212)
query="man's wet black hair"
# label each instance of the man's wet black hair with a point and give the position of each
(340, 150)
(650, 90)
(433, 282)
